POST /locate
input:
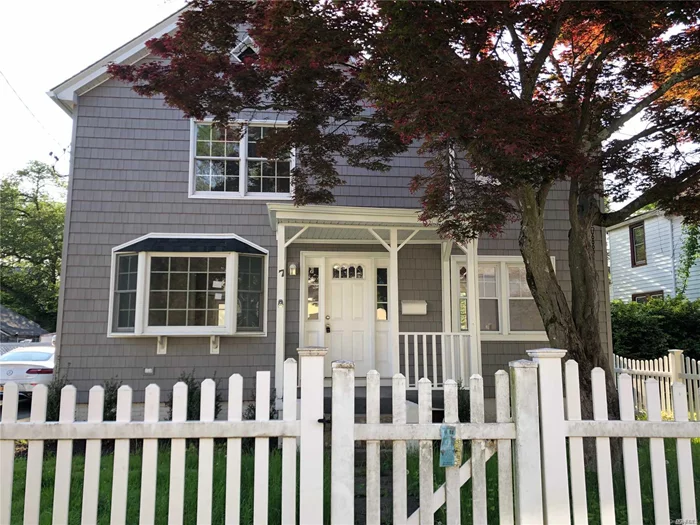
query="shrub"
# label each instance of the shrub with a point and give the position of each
(111, 387)
(463, 407)
(53, 401)
(194, 397)
(649, 330)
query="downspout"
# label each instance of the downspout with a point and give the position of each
(673, 257)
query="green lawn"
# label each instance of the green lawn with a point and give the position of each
(275, 487)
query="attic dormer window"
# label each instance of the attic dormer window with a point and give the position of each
(226, 163)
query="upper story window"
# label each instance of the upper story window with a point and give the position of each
(638, 246)
(161, 286)
(226, 163)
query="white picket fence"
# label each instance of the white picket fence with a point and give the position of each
(538, 439)
(667, 370)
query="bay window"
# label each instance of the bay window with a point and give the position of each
(167, 288)
(226, 162)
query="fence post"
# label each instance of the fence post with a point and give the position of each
(675, 360)
(343, 443)
(526, 450)
(555, 475)
(311, 439)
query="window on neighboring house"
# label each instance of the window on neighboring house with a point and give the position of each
(250, 293)
(488, 297)
(125, 292)
(638, 247)
(382, 294)
(644, 297)
(227, 163)
(523, 313)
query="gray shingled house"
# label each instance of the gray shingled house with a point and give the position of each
(183, 250)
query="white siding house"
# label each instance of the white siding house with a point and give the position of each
(645, 258)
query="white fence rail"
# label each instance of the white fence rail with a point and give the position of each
(437, 356)
(667, 370)
(537, 438)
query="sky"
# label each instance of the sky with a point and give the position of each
(43, 43)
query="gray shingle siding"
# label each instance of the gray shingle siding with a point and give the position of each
(130, 177)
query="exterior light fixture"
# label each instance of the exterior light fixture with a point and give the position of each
(292, 269)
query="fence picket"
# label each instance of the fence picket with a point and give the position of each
(425, 458)
(64, 459)
(602, 445)
(399, 483)
(177, 458)
(289, 445)
(342, 443)
(93, 452)
(452, 482)
(690, 386)
(658, 459)
(476, 402)
(576, 463)
(695, 370)
(233, 452)
(629, 450)
(35, 458)
(684, 457)
(206, 453)
(262, 449)
(505, 457)
(149, 454)
(120, 476)
(372, 486)
(7, 452)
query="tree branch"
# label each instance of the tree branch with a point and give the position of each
(545, 50)
(619, 145)
(616, 124)
(675, 186)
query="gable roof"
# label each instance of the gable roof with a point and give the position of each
(66, 93)
(14, 324)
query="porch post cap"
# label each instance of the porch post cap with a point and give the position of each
(310, 351)
(522, 363)
(675, 351)
(343, 364)
(546, 353)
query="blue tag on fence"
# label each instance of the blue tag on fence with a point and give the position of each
(450, 448)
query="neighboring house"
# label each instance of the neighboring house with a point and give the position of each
(184, 251)
(15, 327)
(645, 258)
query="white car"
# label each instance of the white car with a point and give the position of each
(28, 367)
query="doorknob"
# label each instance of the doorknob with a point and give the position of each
(328, 317)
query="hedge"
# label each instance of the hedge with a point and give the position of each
(649, 330)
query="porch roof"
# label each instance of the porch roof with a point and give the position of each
(331, 223)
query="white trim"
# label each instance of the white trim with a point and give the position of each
(65, 94)
(358, 217)
(156, 235)
(636, 218)
(242, 164)
(280, 311)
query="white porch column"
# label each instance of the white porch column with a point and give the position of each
(394, 297)
(445, 252)
(280, 315)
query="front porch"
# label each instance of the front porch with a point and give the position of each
(375, 286)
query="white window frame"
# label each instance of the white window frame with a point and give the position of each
(504, 334)
(141, 328)
(242, 168)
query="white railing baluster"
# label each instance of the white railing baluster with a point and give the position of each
(149, 455)
(205, 473)
(262, 450)
(177, 458)
(372, 486)
(64, 458)
(464, 361)
(435, 369)
(289, 445)
(602, 445)
(629, 451)
(453, 368)
(399, 484)
(416, 368)
(452, 482)
(407, 368)
(233, 452)
(120, 476)
(425, 459)
(443, 358)
(657, 455)
(93, 452)
(35, 458)
(425, 358)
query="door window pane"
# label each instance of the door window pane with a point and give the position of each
(312, 294)
(382, 294)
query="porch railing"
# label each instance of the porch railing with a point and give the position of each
(439, 356)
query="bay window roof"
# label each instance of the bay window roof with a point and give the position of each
(167, 242)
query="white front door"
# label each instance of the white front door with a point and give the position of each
(349, 320)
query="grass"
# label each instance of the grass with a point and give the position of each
(247, 470)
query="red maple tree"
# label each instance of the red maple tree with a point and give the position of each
(528, 95)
